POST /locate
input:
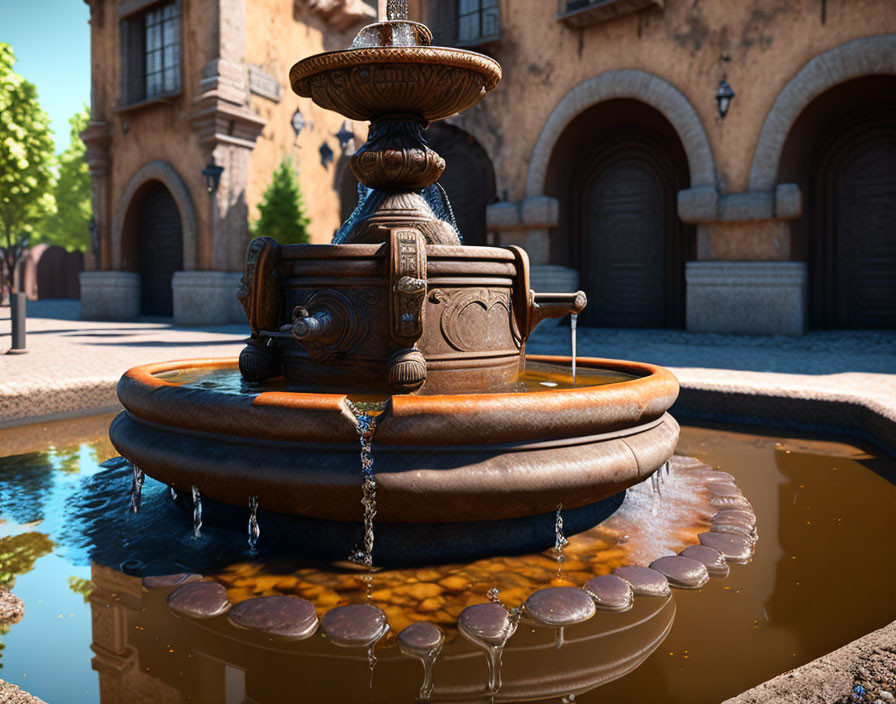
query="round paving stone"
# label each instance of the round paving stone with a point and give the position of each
(287, 617)
(12, 609)
(730, 502)
(355, 626)
(708, 474)
(559, 606)
(723, 489)
(421, 639)
(170, 580)
(734, 548)
(734, 514)
(644, 581)
(199, 600)
(713, 559)
(734, 525)
(682, 572)
(487, 625)
(610, 593)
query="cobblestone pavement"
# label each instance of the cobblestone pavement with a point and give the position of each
(74, 365)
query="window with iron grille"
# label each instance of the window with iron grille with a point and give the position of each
(478, 21)
(151, 53)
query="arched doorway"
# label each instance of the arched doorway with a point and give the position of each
(842, 152)
(854, 257)
(469, 181)
(616, 171)
(629, 236)
(160, 249)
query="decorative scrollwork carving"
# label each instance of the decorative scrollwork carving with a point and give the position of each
(462, 326)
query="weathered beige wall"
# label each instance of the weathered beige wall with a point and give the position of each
(279, 33)
(157, 131)
(767, 42)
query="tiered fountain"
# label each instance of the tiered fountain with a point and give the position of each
(401, 335)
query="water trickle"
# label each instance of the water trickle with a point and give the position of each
(254, 530)
(173, 492)
(560, 540)
(490, 629)
(573, 322)
(366, 418)
(197, 513)
(137, 478)
(371, 662)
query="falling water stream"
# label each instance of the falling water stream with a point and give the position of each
(254, 530)
(495, 650)
(137, 478)
(367, 416)
(573, 322)
(560, 540)
(197, 513)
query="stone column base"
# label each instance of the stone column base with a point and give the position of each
(203, 298)
(109, 295)
(747, 298)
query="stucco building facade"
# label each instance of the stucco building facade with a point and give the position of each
(603, 152)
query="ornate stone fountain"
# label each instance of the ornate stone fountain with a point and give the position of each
(474, 433)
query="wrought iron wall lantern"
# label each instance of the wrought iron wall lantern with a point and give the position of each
(297, 122)
(212, 173)
(724, 96)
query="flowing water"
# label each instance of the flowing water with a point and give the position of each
(821, 576)
(573, 323)
(366, 416)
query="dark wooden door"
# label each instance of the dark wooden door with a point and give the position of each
(854, 272)
(468, 180)
(632, 249)
(161, 250)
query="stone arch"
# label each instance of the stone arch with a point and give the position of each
(635, 85)
(165, 174)
(859, 57)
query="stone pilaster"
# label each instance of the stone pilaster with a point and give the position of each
(98, 139)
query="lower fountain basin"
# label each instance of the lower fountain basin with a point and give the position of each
(438, 459)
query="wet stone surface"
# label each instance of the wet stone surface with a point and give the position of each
(713, 560)
(356, 625)
(738, 526)
(713, 476)
(682, 572)
(723, 489)
(610, 593)
(730, 502)
(735, 548)
(559, 606)
(170, 580)
(644, 580)
(747, 517)
(420, 639)
(288, 617)
(199, 600)
(488, 625)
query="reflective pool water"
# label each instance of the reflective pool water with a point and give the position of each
(821, 576)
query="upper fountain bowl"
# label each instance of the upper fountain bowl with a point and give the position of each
(391, 71)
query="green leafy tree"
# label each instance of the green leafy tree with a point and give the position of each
(26, 161)
(282, 211)
(69, 226)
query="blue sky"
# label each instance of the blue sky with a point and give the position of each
(51, 40)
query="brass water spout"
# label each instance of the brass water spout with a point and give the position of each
(555, 305)
(312, 327)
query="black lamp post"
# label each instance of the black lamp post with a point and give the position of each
(724, 96)
(212, 173)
